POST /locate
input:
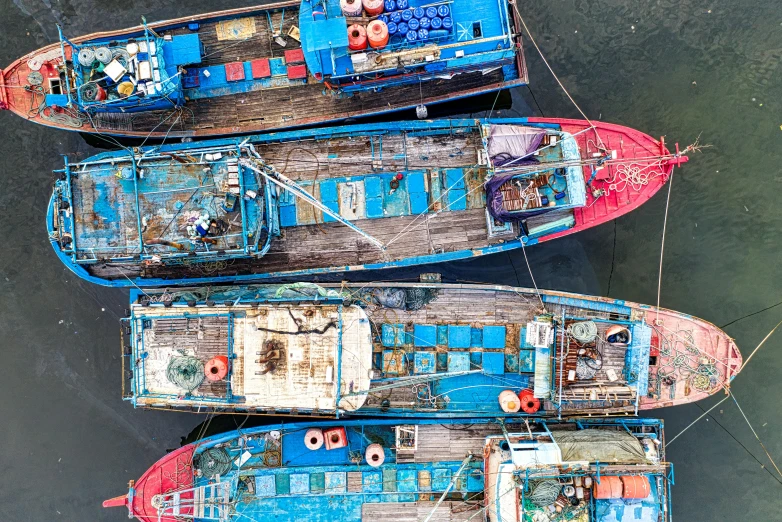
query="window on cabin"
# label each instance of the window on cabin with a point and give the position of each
(477, 31)
(55, 87)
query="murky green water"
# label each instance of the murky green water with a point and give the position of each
(679, 69)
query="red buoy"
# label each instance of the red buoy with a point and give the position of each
(529, 403)
(357, 37)
(217, 368)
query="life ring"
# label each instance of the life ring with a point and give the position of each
(529, 403)
(313, 439)
(217, 368)
(375, 455)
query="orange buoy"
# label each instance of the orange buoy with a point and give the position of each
(217, 368)
(509, 402)
(529, 403)
(357, 37)
(377, 34)
(609, 487)
(636, 486)
(373, 7)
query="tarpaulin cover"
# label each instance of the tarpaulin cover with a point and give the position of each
(508, 142)
(599, 445)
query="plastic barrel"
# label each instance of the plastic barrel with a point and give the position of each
(402, 28)
(390, 5)
(438, 33)
(443, 11)
(395, 17)
(407, 15)
(357, 37)
(383, 18)
(447, 23)
(636, 486)
(373, 7)
(425, 22)
(414, 24)
(609, 487)
(350, 7)
(423, 34)
(402, 4)
(436, 23)
(377, 34)
(419, 12)
(391, 28)
(431, 12)
(411, 36)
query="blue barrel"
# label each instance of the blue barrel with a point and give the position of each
(411, 36)
(425, 23)
(423, 34)
(414, 24)
(431, 12)
(402, 28)
(383, 18)
(436, 23)
(407, 15)
(438, 33)
(419, 12)
(443, 11)
(447, 23)
(402, 4)
(391, 28)
(395, 17)
(390, 5)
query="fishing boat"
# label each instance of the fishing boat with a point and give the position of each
(458, 470)
(299, 203)
(283, 64)
(414, 350)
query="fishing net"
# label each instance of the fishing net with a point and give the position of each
(185, 371)
(584, 371)
(213, 461)
(410, 299)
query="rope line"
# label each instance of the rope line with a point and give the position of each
(662, 247)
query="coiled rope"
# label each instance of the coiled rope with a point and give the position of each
(544, 492)
(633, 175)
(186, 371)
(583, 332)
(214, 461)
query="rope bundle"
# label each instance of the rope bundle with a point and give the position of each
(583, 332)
(545, 492)
(214, 461)
(185, 371)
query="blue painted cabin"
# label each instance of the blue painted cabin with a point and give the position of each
(403, 350)
(471, 469)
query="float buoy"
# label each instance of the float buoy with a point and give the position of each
(217, 368)
(375, 455)
(313, 439)
(529, 403)
(509, 402)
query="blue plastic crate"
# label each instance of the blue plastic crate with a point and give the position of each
(494, 337)
(265, 486)
(392, 334)
(458, 361)
(424, 362)
(493, 363)
(300, 483)
(459, 336)
(425, 335)
(419, 202)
